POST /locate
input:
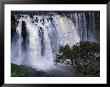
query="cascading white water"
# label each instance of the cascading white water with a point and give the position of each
(17, 54)
(34, 49)
(46, 34)
(92, 27)
(81, 25)
(67, 33)
(86, 25)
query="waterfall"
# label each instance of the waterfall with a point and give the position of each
(67, 33)
(34, 48)
(39, 38)
(17, 54)
(86, 25)
(91, 27)
(81, 25)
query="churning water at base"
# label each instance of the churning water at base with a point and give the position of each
(38, 39)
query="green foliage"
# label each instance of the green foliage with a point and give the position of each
(25, 71)
(92, 70)
(18, 71)
(82, 56)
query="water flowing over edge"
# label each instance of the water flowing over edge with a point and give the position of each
(45, 35)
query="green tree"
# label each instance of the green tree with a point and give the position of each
(80, 56)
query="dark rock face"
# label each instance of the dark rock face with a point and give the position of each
(41, 35)
(14, 24)
(25, 35)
